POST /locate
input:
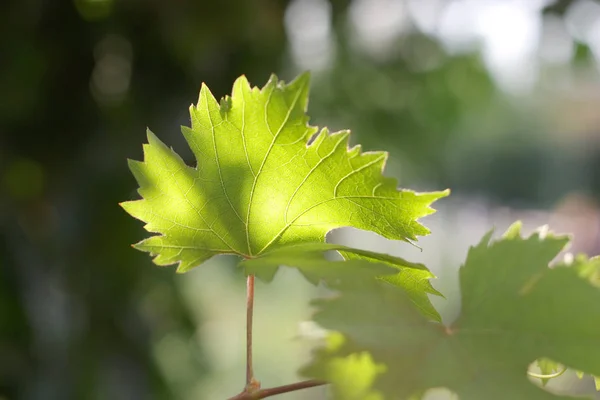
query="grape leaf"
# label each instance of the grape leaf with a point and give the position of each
(548, 369)
(589, 269)
(263, 181)
(515, 310)
(310, 259)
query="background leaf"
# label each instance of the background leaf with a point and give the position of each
(312, 261)
(514, 310)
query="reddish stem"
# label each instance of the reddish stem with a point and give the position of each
(252, 391)
(252, 385)
(264, 393)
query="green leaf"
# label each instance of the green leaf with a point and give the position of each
(548, 369)
(311, 260)
(515, 310)
(413, 278)
(590, 270)
(353, 376)
(263, 181)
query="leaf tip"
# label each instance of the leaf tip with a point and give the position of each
(302, 84)
(153, 141)
(485, 240)
(133, 165)
(513, 231)
(151, 136)
(182, 268)
(271, 83)
(303, 78)
(441, 194)
(240, 85)
(206, 96)
(242, 79)
(126, 205)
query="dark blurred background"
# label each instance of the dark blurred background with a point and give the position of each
(496, 99)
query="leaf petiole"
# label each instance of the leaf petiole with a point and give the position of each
(252, 385)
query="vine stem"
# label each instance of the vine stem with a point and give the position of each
(264, 393)
(252, 391)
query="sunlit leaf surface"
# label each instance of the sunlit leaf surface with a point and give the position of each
(264, 179)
